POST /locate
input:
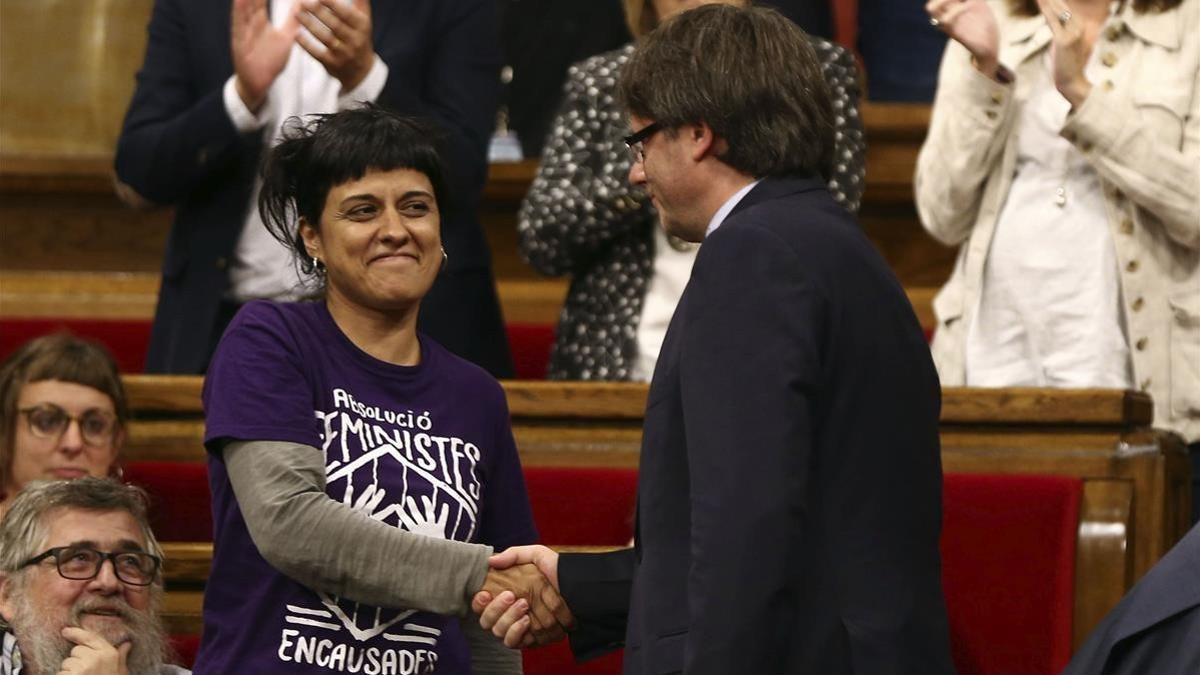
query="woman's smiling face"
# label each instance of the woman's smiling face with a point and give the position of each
(379, 239)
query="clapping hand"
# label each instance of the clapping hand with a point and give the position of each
(1068, 50)
(519, 603)
(972, 24)
(259, 49)
(93, 655)
(339, 36)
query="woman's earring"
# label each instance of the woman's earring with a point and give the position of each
(445, 259)
(317, 266)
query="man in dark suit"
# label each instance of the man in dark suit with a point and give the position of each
(218, 81)
(1156, 626)
(789, 502)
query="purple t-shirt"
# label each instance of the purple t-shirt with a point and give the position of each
(434, 439)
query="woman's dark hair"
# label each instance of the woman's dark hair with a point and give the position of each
(62, 357)
(323, 151)
(1030, 7)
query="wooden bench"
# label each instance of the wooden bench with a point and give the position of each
(1009, 545)
(116, 309)
(1135, 480)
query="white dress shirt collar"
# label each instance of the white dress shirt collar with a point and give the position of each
(723, 212)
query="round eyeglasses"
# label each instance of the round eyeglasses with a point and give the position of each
(81, 563)
(47, 420)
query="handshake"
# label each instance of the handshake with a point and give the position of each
(519, 602)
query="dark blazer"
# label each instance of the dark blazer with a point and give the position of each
(789, 500)
(1156, 626)
(178, 146)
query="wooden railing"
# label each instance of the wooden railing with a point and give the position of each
(1136, 490)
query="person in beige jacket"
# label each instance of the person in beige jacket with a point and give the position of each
(1063, 157)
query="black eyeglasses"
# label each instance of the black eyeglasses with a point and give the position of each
(81, 563)
(47, 420)
(636, 141)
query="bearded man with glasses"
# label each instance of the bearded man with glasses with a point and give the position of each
(80, 585)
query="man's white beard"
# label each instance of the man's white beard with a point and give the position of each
(43, 648)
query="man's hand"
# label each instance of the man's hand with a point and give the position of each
(93, 655)
(339, 37)
(259, 49)
(504, 610)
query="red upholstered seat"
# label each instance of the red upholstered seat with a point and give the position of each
(127, 339)
(185, 647)
(1008, 570)
(530, 345)
(180, 503)
(556, 659)
(582, 506)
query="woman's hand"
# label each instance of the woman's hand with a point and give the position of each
(1068, 51)
(972, 24)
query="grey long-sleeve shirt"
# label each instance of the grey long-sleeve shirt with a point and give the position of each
(280, 489)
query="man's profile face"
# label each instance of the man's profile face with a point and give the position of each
(663, 175)
(42, 602)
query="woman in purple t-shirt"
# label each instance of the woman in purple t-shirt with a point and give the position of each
(361, 474)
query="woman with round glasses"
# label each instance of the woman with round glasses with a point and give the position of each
(64, 413)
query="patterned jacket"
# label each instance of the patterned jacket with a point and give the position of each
(581, 217)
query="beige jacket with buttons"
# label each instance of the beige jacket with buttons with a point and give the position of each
(1140, 128)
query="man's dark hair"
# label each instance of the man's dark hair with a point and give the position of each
(320, 152)
(750, 74)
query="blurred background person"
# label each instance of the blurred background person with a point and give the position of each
(1156, 626)
(543, 38)
(1063, 157)
(361, 473)
(583, 218)
(218, 80)
(899, 49)
(64, 413)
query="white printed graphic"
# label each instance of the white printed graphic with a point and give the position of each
(393, 467)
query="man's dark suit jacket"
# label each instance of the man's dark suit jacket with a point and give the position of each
(789, 498)
(1156, 626)
(178, 146)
